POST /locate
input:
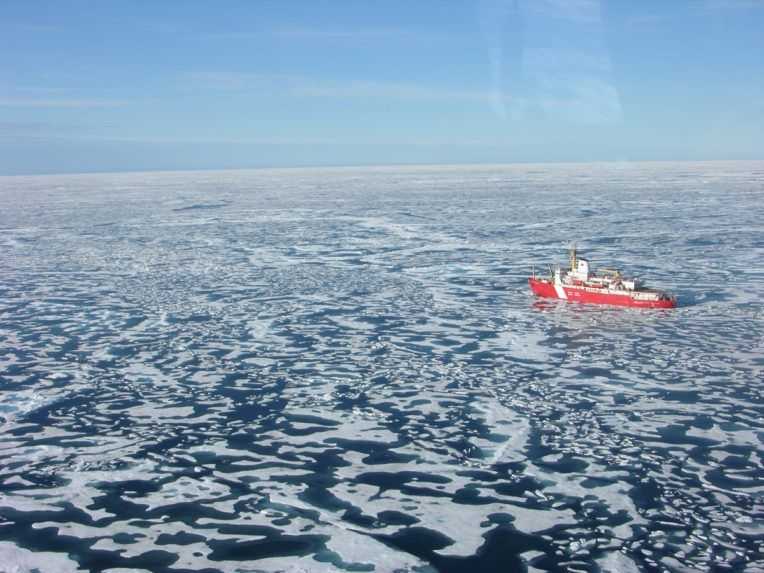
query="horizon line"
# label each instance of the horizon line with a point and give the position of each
(395, 165)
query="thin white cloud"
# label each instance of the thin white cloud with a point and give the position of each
(493, 16)
(580, 97)
(733, 4)
(570, 86)
(42, 28)
(581, 11)
(364, 89)
(234, 81)
(645, 20)
(24, 128)
(304, 86)
(310, 33)
(590, 101)
(569, 76)
(62, 103)
(555, 60)
(260, 141)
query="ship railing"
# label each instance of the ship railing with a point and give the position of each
(649, 295)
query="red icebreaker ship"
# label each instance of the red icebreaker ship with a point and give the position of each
(580, 285)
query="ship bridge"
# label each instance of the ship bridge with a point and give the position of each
(580, 271)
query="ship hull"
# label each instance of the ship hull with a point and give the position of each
(545, 288)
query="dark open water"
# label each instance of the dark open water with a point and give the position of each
(343, 370)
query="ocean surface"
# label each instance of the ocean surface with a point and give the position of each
(344, 370)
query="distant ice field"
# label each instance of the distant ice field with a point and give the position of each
(344, 370)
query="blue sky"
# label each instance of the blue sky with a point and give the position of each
(153, 84)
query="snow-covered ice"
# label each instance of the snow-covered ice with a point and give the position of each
(344, 370)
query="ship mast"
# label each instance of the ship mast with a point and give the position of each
(573, 258)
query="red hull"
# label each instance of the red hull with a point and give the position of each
(590, 295)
